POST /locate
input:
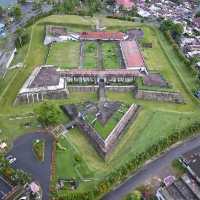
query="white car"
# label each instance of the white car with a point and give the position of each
(11, 159)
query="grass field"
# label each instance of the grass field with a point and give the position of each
(110, 55)
(64, 55)
(155, 121)
(90, 55)
(69, 163)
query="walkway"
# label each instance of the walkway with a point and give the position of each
(151, 169)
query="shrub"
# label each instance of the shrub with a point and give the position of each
(38, 149)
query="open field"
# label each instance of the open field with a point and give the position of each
(155, 121)
(111, 58)
(67, 158)
(64, 55)
(90, 55)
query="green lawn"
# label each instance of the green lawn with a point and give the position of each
(90, 55)
(11, 126)
(64, 55)
(8, 77)
(110, 55)
(20, 55)
(69, 163)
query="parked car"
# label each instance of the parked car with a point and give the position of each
(11, 159)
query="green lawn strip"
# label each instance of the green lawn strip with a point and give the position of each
(5, 81)
(39, 149)
(156, 60)
(185, 74)
(20, 55)
(34, 58)
(12, 127)
(75, 20)
(110, 55)
(90, 55)
(147, 104)
(64, 55)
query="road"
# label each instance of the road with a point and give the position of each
(151, 169)
(26, 160)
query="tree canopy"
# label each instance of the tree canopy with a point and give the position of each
(48, 114)
(175, 29)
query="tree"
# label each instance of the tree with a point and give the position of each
(22, 37)
(16, 12)
(1, 11)
(175, 30)
(136, 195)
(48, 114)
(21, 1)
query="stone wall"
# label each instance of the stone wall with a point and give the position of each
(94, 138)
(94, 88)
(105, 147)
(173, 97)
(118, 131)
(40, 96)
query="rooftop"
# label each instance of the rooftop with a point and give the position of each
(192, 159)
(102, 36)
(132, 54)
(126, 3)
(47, 76)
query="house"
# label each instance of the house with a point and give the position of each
(182, 188)
(127, 4)
(191, 160)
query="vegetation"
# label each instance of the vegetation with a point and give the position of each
(39, 149)
(64, 55)
(22, 38)
(145, 138)
(175, 30)
(178, 167)
(110, 56)
(105, 130)
(16, 177)
(48, 114)
(136, 195)
(16, 12)
(90, 55)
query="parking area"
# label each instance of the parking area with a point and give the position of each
(5, 188)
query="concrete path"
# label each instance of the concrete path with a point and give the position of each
(99, 56)
(151, 169)
(81, 55)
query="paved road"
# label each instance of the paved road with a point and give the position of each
(26, 160)
(151, 169)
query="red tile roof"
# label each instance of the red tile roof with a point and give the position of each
(102, 36)
(132, 55)
(125, 3)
